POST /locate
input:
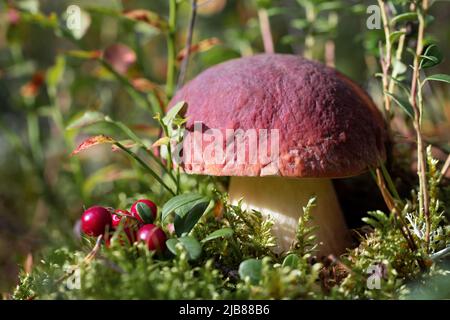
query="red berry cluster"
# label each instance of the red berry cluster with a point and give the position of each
(136, 224)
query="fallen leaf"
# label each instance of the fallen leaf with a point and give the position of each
(146, 16)
(92, 141)
(201, 46)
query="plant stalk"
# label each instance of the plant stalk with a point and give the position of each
(386, 60)
(171, 50)
(185, 62)
(416, 105)
(266, 32)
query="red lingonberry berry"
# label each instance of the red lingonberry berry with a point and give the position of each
(117, 217)
(95, 221)
(129, 226)
(144, 210)
(153, 236)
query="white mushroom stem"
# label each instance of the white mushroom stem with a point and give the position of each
(284, 198)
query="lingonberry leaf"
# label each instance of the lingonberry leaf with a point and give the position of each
(145, 212)
(407, 16)
(394, 36)
(92, 141)
(191, 245)
(403, 103)
(184, 222)
(431, 57)
(221, 233)
(178, 109)
(251, 269)
(181, 204)
(439, 77)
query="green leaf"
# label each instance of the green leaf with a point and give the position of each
(394, 36)
(407, 16)
(398, 81)
(251, 269)
(178, 109)
(145, 212)
(221, 233)
(438, 77)
(403, 103)
(87, 119)
(182, 204)
(184, 223)
(431, 57)
(292, 261)
(191, 245)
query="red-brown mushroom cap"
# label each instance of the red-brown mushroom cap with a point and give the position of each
(328, 126)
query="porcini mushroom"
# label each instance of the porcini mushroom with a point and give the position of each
(328, 127)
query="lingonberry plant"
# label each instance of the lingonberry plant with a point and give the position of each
(175, 235)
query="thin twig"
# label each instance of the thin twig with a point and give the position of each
(421, 160)
(385, 60)
(94, 250)
(330, 46)
(266, 32)
(393, 207)
(310, 40)
(185, 62)
(171, 50)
